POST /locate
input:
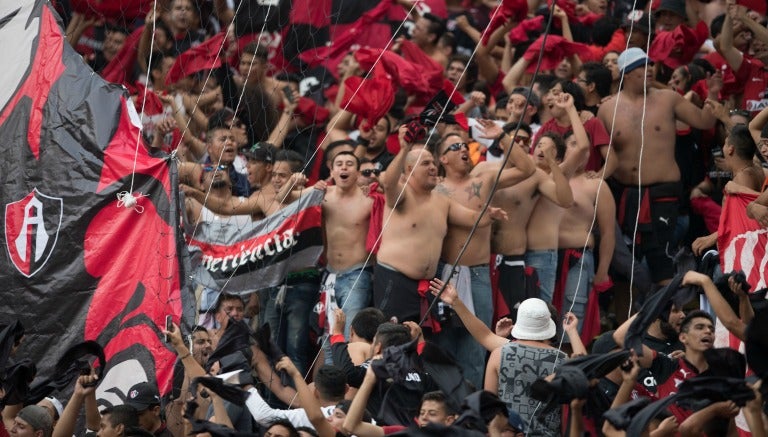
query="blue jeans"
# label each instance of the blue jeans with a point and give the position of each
(469, 354)
(545, 263)
(353, 290)
(289, 322)
(578, 297)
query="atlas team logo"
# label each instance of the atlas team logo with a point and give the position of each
(31, 230)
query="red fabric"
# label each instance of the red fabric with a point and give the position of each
(317, 164)
(393, 143)
(205, 56)
(758, 6)
(337, 338)
(500, 308)
(617, 43)
(342, 42)
(397, 13)
(430, 69)
(589, 18)
(311, 112)
(450, 90)
(730, 84)
(675, 48)
(120, 68)
(590, 327)
(508, 10)
(424, 313)
(461, 120)
(420, 347)
(376, 222)
(370, 98)
(754, 76)
(556, 49)
(416, 72)
(709, 210)
(147, 101)
(391, 429)
(742, 241)
(570, 256)
(122, 11)
(519, 33)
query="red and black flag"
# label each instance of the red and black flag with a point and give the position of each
(242, 259)
(78, 265)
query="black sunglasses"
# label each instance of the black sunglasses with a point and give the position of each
(455, 147)
(210, 167)
(369, 171)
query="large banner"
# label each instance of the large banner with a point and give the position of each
(78, 263)
(241, 259)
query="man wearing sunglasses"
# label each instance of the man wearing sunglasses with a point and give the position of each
(471, 188)
(417, 222)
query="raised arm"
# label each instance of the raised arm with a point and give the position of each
(278, 134)
(390, 179)
(731, 54)
(621, 332)
(479, 331)
(723, 311)
(308, 401)
(65, 427)
(353, 423)
(700, 118)
(575, 159)
(250, 205)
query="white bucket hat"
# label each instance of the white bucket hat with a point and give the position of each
(534, 321)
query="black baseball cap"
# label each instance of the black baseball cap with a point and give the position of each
(142, 396)
(261, 151)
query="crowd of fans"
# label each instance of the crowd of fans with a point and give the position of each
(501, 184)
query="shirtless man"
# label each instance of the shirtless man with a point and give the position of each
(471, 188)
(346, 214)
(216, 182)
(655, 171)
(509, 239)
(416, 222)
(260, 159)
(576, 232)
(544, 223)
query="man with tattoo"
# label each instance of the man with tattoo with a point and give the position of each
(471, 187)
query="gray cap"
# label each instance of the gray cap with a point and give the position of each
(38, 418)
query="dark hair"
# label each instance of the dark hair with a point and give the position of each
(257, 50)
(345, 152)
(366, 322)
(285, 423)
(392, 334)
(511, 127)
(471, 72)
(692, 73)
(223, 297)
(308, 430)
(199, 328)
(293, 158)
(559, 143)
(599, 75)
(157, 61)
(742, 141)
(603, 29)
(546, 82)
(448, 39)
(436, 25)
(575, 91)
(331, 381)
(439, 396)
(327, 152)
(125, 415)
(695, 314)
(221, 119)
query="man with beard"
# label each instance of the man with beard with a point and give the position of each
(372, 144)
(417, 222)
(697, 334)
